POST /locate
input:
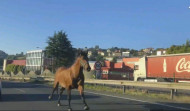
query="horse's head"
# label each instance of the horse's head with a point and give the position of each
(84, 60)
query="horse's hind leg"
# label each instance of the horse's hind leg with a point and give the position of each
(54, 88)
(81, 88)
(69, 99)
(61, 92)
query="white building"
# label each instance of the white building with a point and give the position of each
(126, 54)
(35, 60)
(161, 52)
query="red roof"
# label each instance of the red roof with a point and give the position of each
(108, 64)
(118, 65)
(19, 62)
(127, 60)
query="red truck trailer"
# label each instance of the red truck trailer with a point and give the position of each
(168, 67)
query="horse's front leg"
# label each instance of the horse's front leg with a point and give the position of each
(69, 99)
(61, 92)
(81, 91)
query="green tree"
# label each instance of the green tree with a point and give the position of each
(60, 48)
(14, 68)
(175, 49)
(134, 52)
(94, 55)
(114, 59)
(100, 58)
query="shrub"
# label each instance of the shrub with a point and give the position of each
(14, 68)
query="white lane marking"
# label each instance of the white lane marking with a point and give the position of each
(181, 108)
(20, 90)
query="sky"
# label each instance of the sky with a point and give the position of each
(135, 24)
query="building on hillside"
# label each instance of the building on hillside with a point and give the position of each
(109, 52)
(100, 52)
(89, 54)
(116, 53)
(109, 58)
(161, 52)
(125, 54)
(148, 50)
(36, 61)
(119, 60)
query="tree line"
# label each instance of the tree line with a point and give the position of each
(175, 49)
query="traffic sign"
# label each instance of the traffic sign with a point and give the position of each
(97, 65)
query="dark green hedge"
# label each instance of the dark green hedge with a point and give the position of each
(14, 68)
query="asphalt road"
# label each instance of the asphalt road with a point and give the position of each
(34, 97)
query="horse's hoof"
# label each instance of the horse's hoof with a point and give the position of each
(69, 109)
(58, 104)
(86, 108)
(49, 97)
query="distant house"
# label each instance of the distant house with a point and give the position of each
(125, 54)
(89, 53)
(109, 52)
(100, 52)
(161, 52)
(116, 53)
(109, 58)
(149, 50)
(119, 60)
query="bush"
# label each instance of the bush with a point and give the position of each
(14, 68)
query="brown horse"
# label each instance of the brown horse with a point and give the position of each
(72, 77)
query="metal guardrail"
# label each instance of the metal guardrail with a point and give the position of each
(173, 87)
(167, 85)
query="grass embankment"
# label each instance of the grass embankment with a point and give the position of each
(139, 93)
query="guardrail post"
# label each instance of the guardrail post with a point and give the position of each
(175, 91)
(172, 94)
(123, 89)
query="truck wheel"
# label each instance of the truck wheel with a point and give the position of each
(140, 79)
